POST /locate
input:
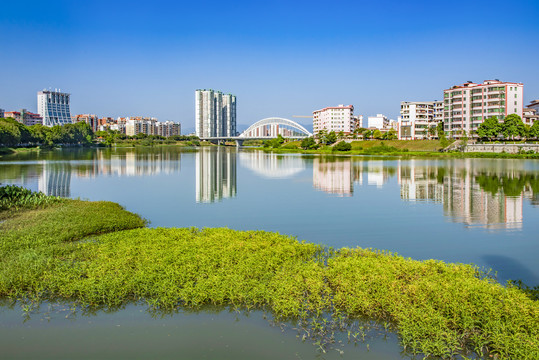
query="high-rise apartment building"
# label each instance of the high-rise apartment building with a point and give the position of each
(338, 118)
(53, 106)
(215, 114)
(1, 113)
(466, 106)
(416, 117)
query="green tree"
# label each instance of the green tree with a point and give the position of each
(308, 143)
(464, 138)
(322, 136)
(440, 130)
(513, 126)
(340, 135)
(391, 135)
(377, 134)
(534, 130)
(489, 129)
(431, 132)
(367, 134)
(39, 133)
(10, 134)
(331, 138)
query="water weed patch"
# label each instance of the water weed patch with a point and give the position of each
(95, 254)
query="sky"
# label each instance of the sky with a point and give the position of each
(280, 58)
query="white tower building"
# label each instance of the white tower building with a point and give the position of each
(53, 106)
(215, 113)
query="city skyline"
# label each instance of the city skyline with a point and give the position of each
(275, 55)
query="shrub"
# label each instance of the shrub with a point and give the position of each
(289, 146)
(14, 197)
(342, 146)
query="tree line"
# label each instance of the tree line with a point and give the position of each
(512, 127)
(14, 133)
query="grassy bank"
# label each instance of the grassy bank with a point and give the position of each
(97, 254)
(398, 148)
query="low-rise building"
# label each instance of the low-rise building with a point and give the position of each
(339, 119)
(380, 121)
(529, 116)
(534, 104)
(89, 119)
(417, 117)
(24, 117)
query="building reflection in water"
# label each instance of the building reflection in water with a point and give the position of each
(55, 179)
(215, 174)
(333, 175)
(337, 175)
(132, 162)
(472, 191)
(273, 166)
(470, 194)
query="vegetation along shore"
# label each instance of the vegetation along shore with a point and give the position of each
(98, 255)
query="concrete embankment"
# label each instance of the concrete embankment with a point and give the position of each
(502, 148)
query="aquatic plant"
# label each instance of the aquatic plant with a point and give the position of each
(95, 254)
(14, 197)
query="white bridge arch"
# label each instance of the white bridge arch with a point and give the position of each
(274, 126)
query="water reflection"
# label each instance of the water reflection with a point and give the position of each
(272, 166)
(475, 192)
(215, 174)
(55, 179)
(460, 187)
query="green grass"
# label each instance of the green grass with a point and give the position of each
(410, 145)
(96, 254)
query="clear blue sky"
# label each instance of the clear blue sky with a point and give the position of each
(281, 58)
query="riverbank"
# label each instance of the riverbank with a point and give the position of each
(398, 148)
(96, 254)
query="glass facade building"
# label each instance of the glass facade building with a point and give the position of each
(53, 106)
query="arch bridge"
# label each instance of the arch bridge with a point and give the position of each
(272, 127)
(268, 128)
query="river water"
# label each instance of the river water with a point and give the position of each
(481, 211)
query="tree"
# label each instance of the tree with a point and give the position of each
(534, 130)
(390, 135)
(431, 132)
(440, 130)
(331, 138)
(308, 143)
(10, 134)
(322, 136)
(489, 129)
(340, 135)
(367, 134)
(464, 138)
(513, 126)
(377, 134)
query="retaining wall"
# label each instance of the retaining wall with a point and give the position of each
(499, 148)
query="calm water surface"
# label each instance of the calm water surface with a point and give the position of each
(481, 211)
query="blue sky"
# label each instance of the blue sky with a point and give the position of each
(280, 58)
